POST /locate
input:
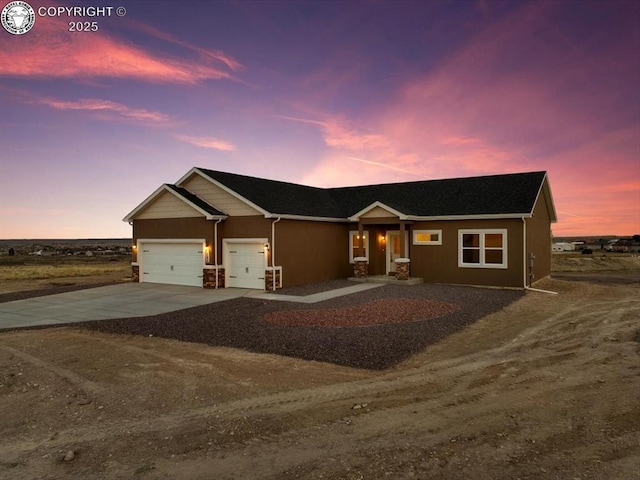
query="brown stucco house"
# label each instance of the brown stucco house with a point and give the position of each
(214, 229)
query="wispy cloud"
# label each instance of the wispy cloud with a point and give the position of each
(345, 141)
(51, 51)
(113, 109)
(207, 142)
(214, 55)
(381, 165)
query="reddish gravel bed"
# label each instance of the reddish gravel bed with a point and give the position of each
(379, 312)
(237, 323)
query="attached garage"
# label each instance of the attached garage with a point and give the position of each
(175, 262)
(245, 262)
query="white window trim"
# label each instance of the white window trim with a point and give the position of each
(352, 236)
(428, 242)
(482, 233)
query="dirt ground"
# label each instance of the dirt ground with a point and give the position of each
(547, 388)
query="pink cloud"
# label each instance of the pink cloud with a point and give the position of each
(215, 55)
(105, 107)
(357, 157)
(50, 50)
(484, 110)
(207, 142)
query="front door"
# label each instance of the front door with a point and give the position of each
(394, 249)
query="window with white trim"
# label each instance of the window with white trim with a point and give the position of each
(485, 248)
(427, 237)
(354, 245)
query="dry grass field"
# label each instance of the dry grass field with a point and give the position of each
(546, 388)
(24, 273)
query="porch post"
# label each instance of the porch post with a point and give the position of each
(360, 239)
(403, 253)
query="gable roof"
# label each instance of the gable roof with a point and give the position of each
(280, 198)
(194, 199)
(209, 211)
(495, 195)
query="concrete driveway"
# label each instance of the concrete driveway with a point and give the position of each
(113, 301)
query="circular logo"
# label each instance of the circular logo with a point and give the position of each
(18, 17)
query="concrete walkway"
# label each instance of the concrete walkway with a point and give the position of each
(134, 300)
(316, 297)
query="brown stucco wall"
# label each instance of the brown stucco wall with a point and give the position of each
(539, 240)
(439, 263)
(312, 251)
(172, 228)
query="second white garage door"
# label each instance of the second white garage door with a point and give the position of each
(245, 264)
(172, 263)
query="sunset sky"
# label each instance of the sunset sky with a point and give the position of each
(318, 93)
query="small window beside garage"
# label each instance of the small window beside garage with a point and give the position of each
(354, 245)
(427, 237)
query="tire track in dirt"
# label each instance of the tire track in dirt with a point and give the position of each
(73, 378)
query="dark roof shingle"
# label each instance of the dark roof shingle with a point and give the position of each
(486, 195)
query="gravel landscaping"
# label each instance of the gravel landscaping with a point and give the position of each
(432, 312)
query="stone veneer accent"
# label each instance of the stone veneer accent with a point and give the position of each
(209, 279)
(402, 268)
(361, 267)
(268, 280)
(135, 273)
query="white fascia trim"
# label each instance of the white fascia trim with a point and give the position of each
(550, 205)
(400, 215)
(144, 203)
(305, 217)
(494, 216)
(225, 188)
(166, 188)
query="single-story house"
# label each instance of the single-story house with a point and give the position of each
(215, 229)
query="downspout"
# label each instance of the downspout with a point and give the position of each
(524, 253)
(273, 252)
(524, 262)
(215, 248)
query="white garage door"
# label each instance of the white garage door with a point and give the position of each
(172, 263)
(246, 264)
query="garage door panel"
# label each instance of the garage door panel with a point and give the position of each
(246, 265)
(172, 263)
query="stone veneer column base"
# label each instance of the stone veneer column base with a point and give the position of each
(213, 278)
(402, 268)
(268, 279)
(135, 273)
(361, 267)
